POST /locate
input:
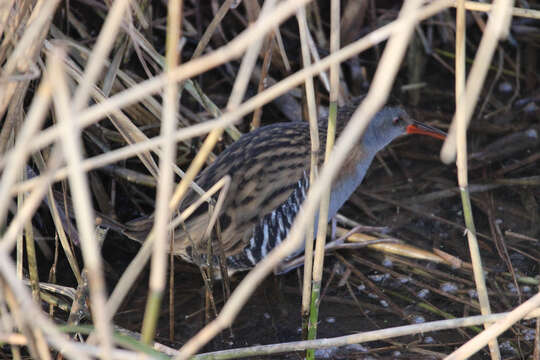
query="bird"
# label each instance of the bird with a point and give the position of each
(269, 178)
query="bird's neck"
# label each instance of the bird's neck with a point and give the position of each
(358, 161)
(348, 179)
(353, 170)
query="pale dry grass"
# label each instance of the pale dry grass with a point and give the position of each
(63, 93)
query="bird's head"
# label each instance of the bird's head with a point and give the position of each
(392, 122)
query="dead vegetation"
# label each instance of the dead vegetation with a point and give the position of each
(93, 123)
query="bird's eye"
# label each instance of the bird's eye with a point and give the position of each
(396, 120)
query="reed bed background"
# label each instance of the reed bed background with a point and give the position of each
(110, 109)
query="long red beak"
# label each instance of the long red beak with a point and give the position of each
(419, 128)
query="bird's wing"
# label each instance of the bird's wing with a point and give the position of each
(265, 168)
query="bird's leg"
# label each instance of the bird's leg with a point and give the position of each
(287, 266)
(222, 260)
(205, 262)
(207, 280)
(192, 252)
(209, 274)
(215, 213)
